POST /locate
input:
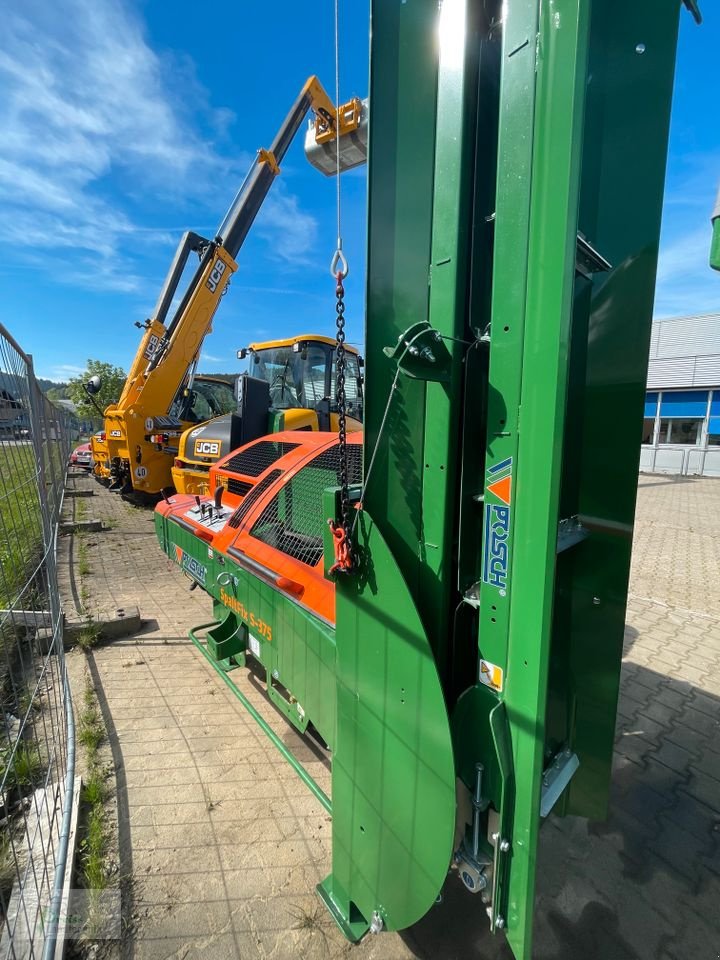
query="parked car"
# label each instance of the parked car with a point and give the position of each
(82, 456)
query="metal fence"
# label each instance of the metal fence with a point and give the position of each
(681, 461)
(37, 735)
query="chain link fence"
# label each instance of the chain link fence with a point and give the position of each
(37, 736)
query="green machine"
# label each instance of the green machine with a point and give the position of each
(468, 682)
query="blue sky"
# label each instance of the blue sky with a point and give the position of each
(126, 123)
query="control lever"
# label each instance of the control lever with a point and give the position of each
(218, 497)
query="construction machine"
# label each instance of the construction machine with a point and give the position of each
(290, 385)
(100, 456)
(169, 350)
(443, 603)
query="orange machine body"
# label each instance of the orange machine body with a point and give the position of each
(261, 482)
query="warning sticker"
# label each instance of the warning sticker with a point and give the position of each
(491, 675)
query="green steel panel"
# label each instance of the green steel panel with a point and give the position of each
(393, 776)
(624, 159)
(560, 93)
(403, 84)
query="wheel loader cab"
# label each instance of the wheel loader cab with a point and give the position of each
(302, 376)
(289, 385)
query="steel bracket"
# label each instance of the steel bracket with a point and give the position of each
(556, 777)
(588, 260)
(570, 532)
(421, 353)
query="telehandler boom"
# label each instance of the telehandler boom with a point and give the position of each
(169, 350)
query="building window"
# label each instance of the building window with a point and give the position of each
(680, 431)
(648, 429)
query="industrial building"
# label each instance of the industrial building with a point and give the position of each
(681, 431)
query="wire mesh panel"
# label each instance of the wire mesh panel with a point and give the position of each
(257, 491)
(36, 751)
(253, 460)
(293, 520)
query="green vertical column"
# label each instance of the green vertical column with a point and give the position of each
(511, 251)
(449, 270)
(555, 173)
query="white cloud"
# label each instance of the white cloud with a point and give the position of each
(685, 283)
(90, 112)
(62, 372)
(290, 232)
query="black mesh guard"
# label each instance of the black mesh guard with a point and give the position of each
(253, 460)
(239, 487)
(257, 491)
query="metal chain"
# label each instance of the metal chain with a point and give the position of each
(342, 412)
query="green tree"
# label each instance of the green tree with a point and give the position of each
(59, 391)
(113, 381)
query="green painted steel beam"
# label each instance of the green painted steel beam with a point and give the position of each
(274, 739)
(553, 215)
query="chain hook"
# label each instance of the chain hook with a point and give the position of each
(339, 265)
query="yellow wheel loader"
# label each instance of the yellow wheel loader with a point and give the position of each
(290, 385)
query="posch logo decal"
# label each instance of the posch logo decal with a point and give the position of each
(207, 448)
(496, 549)
(191, 566)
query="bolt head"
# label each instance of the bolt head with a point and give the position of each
(504, 845)
(500, 923)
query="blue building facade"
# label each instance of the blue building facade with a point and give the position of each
(681, 430)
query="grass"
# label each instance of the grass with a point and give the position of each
(20, 524)
(310, 920)
(82, 557)
(23, 769)
(88, 636)
(91, 728)
(94, 843)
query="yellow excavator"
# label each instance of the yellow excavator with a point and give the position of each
(139, 457)
(290, 385)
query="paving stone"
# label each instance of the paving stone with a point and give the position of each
(695, 817)
(704, 788)
(674, 757)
